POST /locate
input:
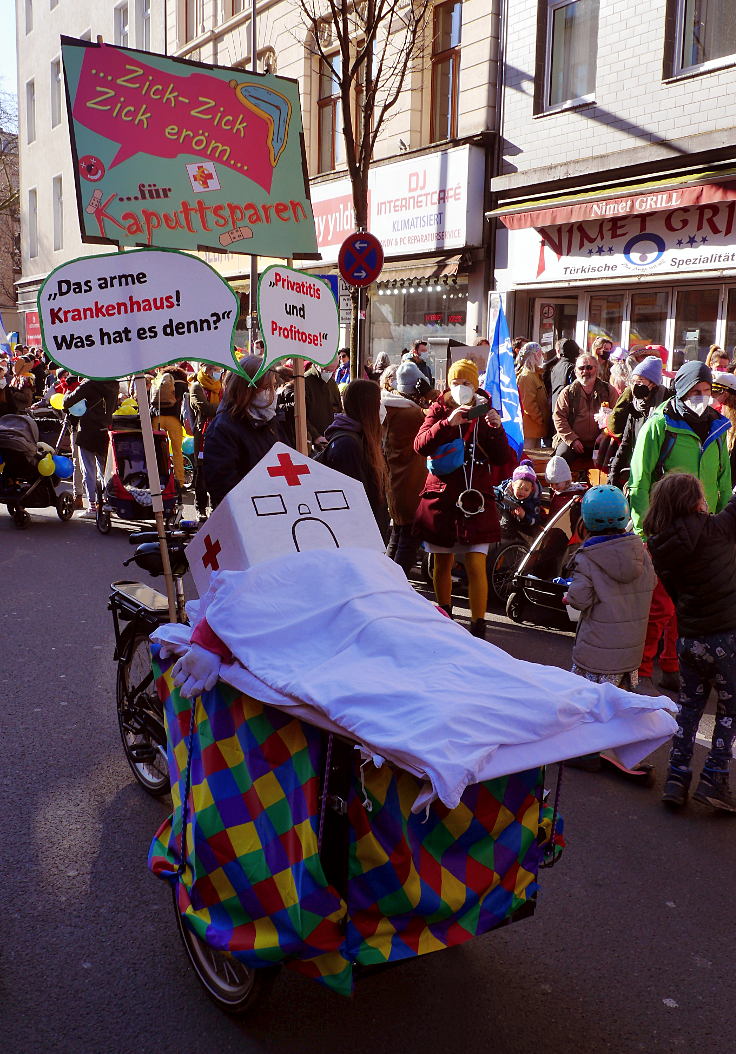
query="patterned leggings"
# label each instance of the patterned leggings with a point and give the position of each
(706, 662)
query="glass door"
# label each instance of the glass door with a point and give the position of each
(554, 320)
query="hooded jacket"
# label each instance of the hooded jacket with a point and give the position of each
(708, 460)
(345, 452)
(612, 584)
(696, 561)
(102, 402)
(630, 420)
(407, 470)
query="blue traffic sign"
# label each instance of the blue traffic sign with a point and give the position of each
(361, 258)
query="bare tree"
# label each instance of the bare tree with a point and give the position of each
(10, 262)
(377, 43)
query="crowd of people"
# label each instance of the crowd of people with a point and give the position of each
(436, 464)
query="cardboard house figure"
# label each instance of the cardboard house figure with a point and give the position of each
(287, 502)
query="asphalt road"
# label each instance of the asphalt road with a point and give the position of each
(631, 947)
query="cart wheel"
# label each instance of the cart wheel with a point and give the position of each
(21, 519)
(515, 607)
(103, 521)
(65, 507)
(502, 563)
(234, 987)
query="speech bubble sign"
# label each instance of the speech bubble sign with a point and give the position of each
(113, 315)
(297, 316)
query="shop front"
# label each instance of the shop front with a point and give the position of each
(427, 212)
(655, 268)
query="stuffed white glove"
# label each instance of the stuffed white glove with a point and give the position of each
(196, 671)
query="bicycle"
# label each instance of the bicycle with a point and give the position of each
(137, 611)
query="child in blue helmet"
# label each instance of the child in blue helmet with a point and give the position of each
(612, 584)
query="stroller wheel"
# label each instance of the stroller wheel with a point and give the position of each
(21, 519)
(515, 607)
(65, 507)
(502, 563)
(188, 473)
(103, 521)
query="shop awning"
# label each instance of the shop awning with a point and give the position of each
(661, 195)
(427, 269)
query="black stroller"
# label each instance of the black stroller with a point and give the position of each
(22, 486)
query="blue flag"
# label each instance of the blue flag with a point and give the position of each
(500, 383)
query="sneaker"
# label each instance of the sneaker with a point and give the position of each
(713, 789)
(676, 787)
(670, 681)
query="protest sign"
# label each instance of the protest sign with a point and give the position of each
(113, 315)
(297, 316)
(185, 155)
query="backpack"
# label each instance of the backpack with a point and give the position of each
(322, 455)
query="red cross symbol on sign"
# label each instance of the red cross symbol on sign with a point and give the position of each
(288, 470)
(211, 550)
(204, 177)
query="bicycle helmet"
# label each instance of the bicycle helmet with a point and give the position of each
(604, 507)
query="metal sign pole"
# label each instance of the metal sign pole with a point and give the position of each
(252, 306)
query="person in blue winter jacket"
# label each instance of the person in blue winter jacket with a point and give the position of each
(521, 495)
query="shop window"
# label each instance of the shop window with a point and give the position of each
(329, 115)
(648, 318)
(55, 92)
(730, 344)
(605, 315)
(446, 34)
(571, 51)
(706, 32)
(696, 315)
(404, 310)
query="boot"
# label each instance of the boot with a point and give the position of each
(393, 543)
(670, 681)
(713, 789)
(447, 608)
(478, 628)
(676, 787)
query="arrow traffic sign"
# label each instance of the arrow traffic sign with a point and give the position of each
(360, 259)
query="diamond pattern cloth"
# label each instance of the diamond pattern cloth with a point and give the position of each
(245, 780)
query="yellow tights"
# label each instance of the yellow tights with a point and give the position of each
(475, 566)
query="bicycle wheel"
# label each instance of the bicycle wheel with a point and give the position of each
(502, 563)
(230, 984)
(140, 718)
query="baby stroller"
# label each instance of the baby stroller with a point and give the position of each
(22, 486)
(51, 428)
(537, 586)
(505, 557)
(126, 492)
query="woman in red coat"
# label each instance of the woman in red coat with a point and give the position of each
(456, 513)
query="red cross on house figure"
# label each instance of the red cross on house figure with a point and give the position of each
(211, 551)
(288, 470)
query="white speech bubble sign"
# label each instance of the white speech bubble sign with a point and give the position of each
(298, 317)
(122, 313)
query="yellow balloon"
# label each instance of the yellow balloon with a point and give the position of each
(46, 465)
(57, 401)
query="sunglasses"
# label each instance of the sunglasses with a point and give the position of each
(586, 369)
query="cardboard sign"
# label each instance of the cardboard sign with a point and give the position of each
(184, 155)
(297, 316)
(286, 503)
(110, 316)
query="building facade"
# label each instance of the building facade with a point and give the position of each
(615, 198)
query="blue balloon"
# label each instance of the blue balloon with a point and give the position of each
(64, 466)
(79, 408)
(188, 446)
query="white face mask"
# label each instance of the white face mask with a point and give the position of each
(424, 355)
(325, 374)
(3, 382)
(382, 411)
(698, 403)
(463, 394)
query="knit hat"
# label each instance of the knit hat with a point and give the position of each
(558, 470)
(408, 375)
(649, 368)
(690, 374)
(463, 370)
(525, 470)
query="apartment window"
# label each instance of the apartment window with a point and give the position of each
(706, 31)
(329, 120)
(143, 29)
(121, 25)
(572, 46)
(30, 111)
(192, 19)
(29, 15)
(238, 6)
(58, 212)
(446, 34)
(55, 92)
(32, 224)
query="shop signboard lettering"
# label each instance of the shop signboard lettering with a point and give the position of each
(680, 240)
(183, 155)
(434, 318)
(457, 319)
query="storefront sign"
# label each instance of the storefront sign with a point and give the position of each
(682, 240)
(183, 155)
(33, 328)
(110, 316)
(434, 318)
(432, 203)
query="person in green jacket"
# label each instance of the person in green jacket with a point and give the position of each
(684, 434)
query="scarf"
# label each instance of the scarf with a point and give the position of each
(211, 386)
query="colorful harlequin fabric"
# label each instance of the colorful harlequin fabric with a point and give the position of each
(250, 880)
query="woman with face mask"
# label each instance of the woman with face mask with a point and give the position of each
(535, 406)
(205, 395)
(457, 512)
(244, 428)
(644, 393)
